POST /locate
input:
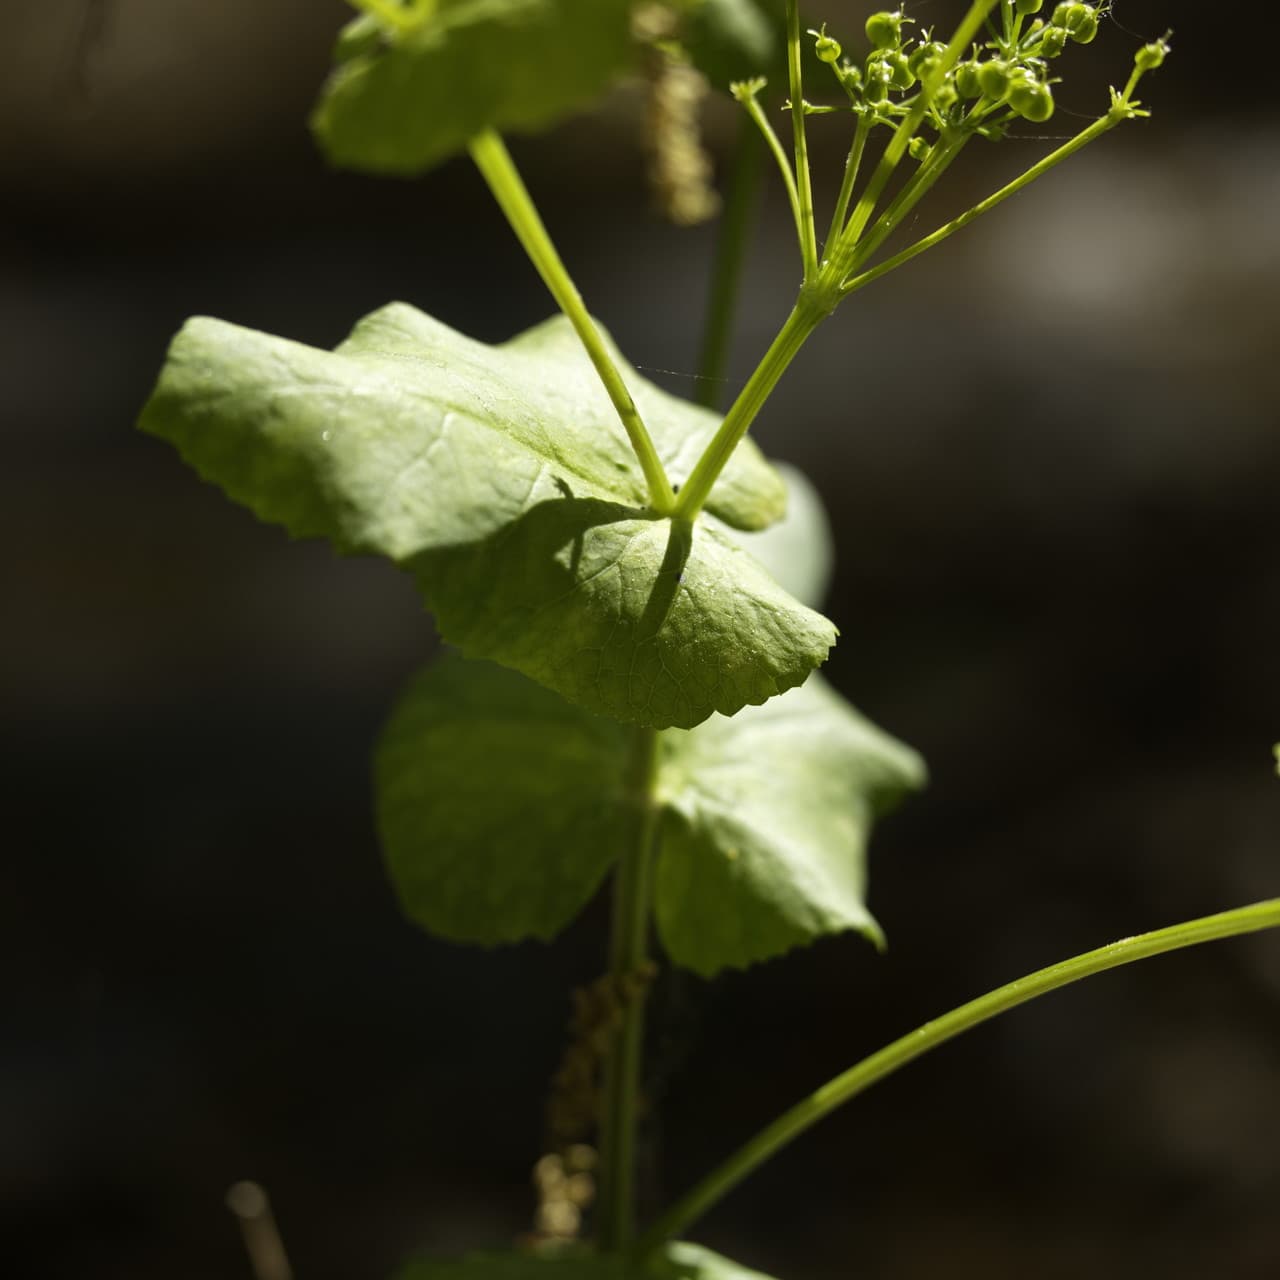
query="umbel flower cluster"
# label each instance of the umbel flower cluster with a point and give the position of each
(1005, 80)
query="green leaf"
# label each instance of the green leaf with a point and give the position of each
(676, 1261)
(798, 550)
(731, 40)
(765, 848)
(500, 805)
(501, 478)
(403, 102)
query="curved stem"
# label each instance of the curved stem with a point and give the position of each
(499, 171)
(804, 188)
(788, 1126)
(804, 318)
(726, 275)
(769, 134)
(628, 955)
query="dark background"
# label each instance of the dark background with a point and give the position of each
(1052, 461)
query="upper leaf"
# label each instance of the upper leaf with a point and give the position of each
(399, 103)
(676, 1261)
(502, 479)
(765, 848)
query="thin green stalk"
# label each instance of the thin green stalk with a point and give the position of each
(1054, 158)
(769, 134)
(628, 954)
(853, 162)
(804, 188)
(499, 171)
(804, 318)
(846, 245)
(913, 191)
(731, 252)
(788, 1126)
(393, 14)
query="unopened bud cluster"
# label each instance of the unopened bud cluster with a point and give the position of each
(999, 83)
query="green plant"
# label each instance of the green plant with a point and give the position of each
(632, 586)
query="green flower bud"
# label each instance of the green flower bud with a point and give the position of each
(899, 69)
(827, 49)
(968, 82)
(1028, 6)
(993, 76)
(1031, 100)
(1080, 21)
(1053, 41)
(884, 30)
(1150, 56)
(877, 84)
(923, 55)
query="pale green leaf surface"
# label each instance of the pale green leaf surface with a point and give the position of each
(676, 1261)
(798, 550)
(765, 847)
(403, 103)
(731, 40)
(500, 805)
(501, 478)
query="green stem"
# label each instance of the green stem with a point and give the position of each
(788, 1126)
(804, 318)
(913, 191)
(499, 171)
(628, 954)
(393, 14)
(731, 252)
(1054, 158)
(804, 188)
(852, 164)
(769, 134)
(846, 245)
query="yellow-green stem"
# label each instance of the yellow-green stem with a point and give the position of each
(791, 1124)
(628, 954)
(499, 171)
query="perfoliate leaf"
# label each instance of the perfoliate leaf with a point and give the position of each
(676, 1261)
(500, 805)
(399, 103)
(501, 478)
(765, 848)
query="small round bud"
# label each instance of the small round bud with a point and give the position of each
(1031, 100)
(877, 82)
(900, 74)
(884, 29)
(993, 76)
(1053, 41)
(1025, 7)
(924, 55)
(827, 49)
(918, 148)
(1150, 56)
(1080, 21)
(968, 83)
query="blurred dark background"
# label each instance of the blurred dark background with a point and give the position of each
(1051, 457)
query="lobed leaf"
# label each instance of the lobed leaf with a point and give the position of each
(501, 478)
(765, 846)
(500, 805)
(400, 103)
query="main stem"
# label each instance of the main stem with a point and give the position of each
(499, 171)
(628, 953)
(805, 316)
(791, 1124)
